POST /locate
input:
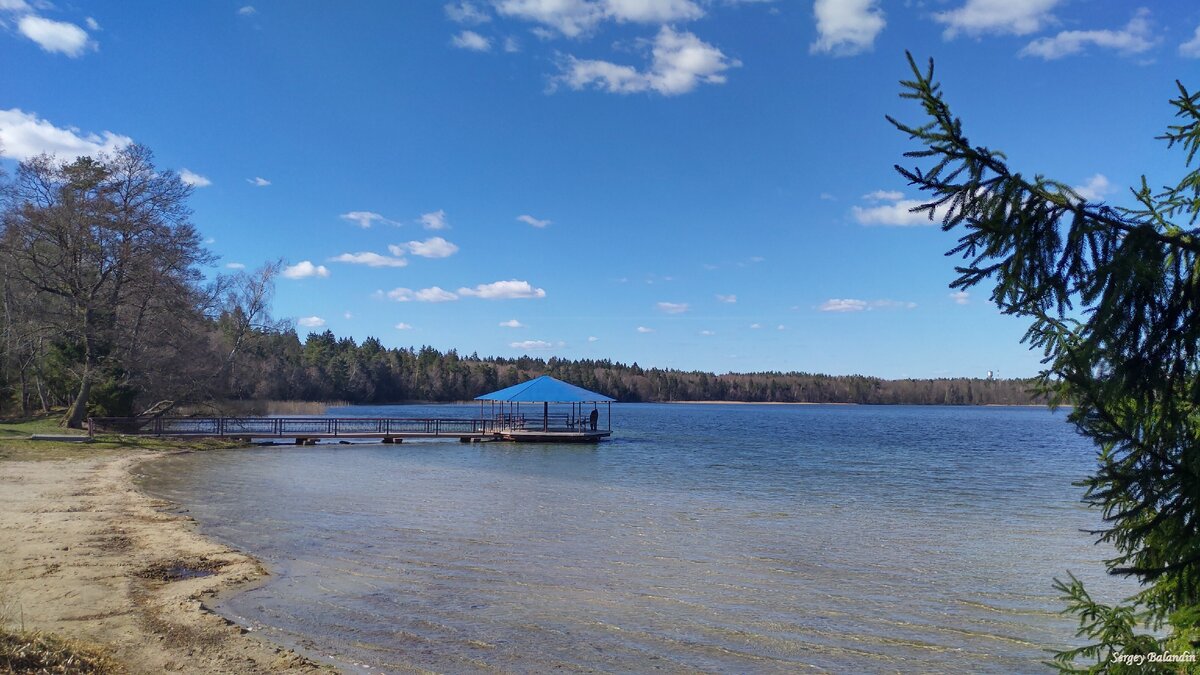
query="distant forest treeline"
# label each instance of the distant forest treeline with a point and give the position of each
(324, 367)
(105, 308)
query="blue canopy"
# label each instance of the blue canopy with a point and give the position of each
(545, 389)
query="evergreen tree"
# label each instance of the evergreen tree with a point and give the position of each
(1112, 294)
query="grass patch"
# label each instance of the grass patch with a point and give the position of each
(42, 424)
(16, 446)
(38, 652)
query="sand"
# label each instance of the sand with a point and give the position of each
(86, 555)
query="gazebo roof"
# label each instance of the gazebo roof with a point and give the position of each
(545, 389)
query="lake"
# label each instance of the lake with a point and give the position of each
(720, 538)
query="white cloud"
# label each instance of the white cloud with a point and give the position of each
(643, 329)
(433, 294)
(1095, 188)
(843, 305)
(573, 18)
(530, 220)
(898, 213)
(1191, 48)
(258, 181)
(1014, 17)
(348, 316)
(91, 23)
(569, 17)
(193, 179)
(672, 307)
(235, 266)
(593, 338)
(24, 135)
(365, 219)
(311, 322)
(370, 259)
(579, 73)
(781, 327)
(852, 305)
(756, 326)
(707, 332)
(247, 10)
(961, 297)
(512, 45)
(731, 298)
(1134, 38)
(679, 62)
(504, 290)
(434, 247)
(14, 6)
(303, 270)
(511, 323)
(434, 220)
(826, 197)
(403, 326)
(467, 13)
(536, 345)
(469, 39)
(846, 27)
(682, 60)
(652, 11)
(54, 36)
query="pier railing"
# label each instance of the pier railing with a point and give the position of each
(555, 422)
(289, 427)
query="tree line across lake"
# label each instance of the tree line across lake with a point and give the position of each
(106, 308)
(324, 367)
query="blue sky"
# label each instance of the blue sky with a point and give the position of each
(696, 184)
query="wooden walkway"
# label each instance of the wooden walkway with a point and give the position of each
(305, 430)
(310, 430)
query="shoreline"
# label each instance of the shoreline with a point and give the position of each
(86, 555)
(750, 403)
(939, 405)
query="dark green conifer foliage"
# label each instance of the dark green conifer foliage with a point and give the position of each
(1113, 296)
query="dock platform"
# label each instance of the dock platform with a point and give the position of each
(311, 430)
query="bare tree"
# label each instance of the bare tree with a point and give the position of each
(106, 247)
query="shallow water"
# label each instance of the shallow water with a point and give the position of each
(724, 538)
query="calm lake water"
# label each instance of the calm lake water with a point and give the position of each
(722, 538)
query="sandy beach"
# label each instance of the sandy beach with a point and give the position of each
(84, 554)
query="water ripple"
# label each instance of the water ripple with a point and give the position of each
(701, 539)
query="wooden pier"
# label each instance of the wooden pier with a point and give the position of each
(311, 430)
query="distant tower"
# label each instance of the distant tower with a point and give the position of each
(990, 374)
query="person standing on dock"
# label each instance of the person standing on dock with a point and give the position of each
(593, 418)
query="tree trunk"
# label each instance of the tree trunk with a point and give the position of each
(78, 411)
(24, 395)
(41, 393)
